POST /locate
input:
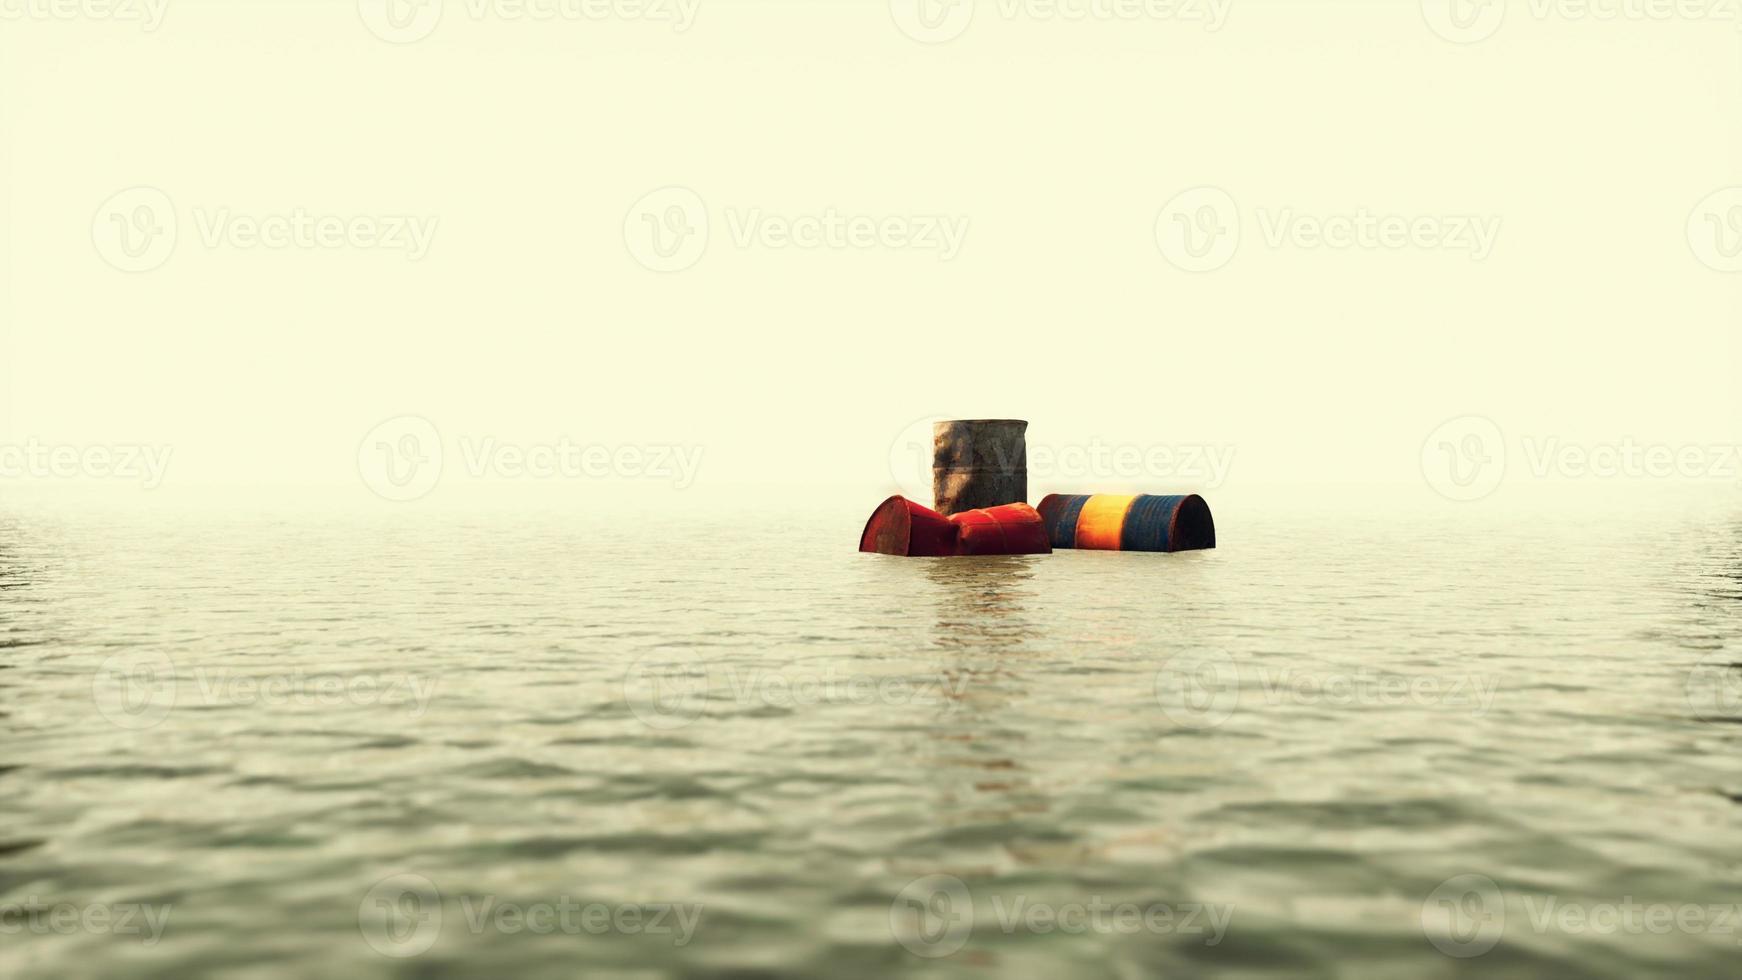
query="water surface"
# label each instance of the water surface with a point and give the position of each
(855, 766)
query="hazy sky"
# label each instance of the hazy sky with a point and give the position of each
(255, 231)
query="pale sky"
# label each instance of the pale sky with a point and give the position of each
(981, 222)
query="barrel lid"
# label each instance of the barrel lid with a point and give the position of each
(887, 532)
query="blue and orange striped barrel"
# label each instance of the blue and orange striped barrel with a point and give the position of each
(1108, 522)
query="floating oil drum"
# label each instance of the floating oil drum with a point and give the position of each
(979, 463)
(901, 527)
(1014, 529)
(1105, 522)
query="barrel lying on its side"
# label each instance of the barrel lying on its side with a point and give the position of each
(1014, 529)
(1105, 522)
(901, 527)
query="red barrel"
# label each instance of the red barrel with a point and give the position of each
(1014, 529)
(901, 527)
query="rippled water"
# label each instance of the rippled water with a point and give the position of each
(395, 744)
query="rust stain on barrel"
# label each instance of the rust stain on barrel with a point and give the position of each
(979, 463)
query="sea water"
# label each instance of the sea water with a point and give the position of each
(449, 744)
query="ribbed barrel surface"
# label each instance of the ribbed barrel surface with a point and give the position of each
(1014, 529)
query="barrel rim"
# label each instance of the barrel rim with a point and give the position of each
(1194, 509)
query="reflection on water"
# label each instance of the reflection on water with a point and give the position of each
(982, 603)
(983, 622)
(350, 700)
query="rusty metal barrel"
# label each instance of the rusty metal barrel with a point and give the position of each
(901, 527)
(1108, 522)
(979, 463)
(1014, 529)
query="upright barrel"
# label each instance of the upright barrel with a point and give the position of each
(979, 463)
(1106, 522)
